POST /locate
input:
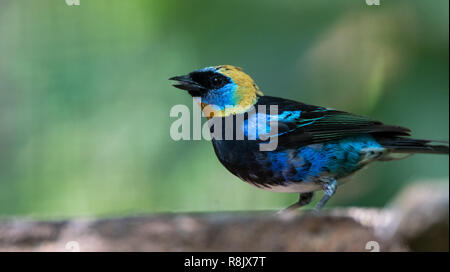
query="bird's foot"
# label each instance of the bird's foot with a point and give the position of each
(329, 189)
(304, 199)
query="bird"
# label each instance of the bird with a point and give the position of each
(316, 147)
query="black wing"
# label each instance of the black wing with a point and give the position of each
(302, 124)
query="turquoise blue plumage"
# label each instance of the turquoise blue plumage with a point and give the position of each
(312, 147)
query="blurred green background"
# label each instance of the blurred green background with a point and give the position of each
(85, 96)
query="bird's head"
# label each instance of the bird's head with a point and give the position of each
(223, 90)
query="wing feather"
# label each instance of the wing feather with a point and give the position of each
(317, 124)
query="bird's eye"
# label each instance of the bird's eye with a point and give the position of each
(209, 80)
(216, 81)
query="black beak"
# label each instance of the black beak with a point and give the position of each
(186, 83)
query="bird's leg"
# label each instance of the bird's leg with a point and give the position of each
(329, 188)
(304, 199)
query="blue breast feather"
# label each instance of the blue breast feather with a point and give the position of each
(335, 159)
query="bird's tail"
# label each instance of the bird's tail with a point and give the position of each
(411, 146)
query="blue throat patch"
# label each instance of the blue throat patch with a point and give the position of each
(222, 98)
